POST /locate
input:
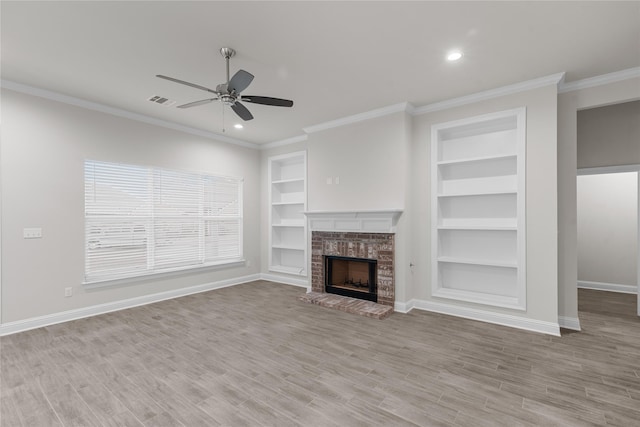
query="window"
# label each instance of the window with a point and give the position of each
(143, 220)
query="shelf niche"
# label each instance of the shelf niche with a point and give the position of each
(287, 223)
(478, 209)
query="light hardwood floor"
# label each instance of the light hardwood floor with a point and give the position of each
(253, 354)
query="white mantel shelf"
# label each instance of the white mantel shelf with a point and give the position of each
(368, 221)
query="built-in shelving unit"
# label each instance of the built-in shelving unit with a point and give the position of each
(288, 199)
(478, 209)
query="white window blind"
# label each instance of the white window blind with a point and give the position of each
(144, 220)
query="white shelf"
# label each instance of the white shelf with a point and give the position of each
(478, 223)
(479, 143)
(291, 222)
(287, 270)
(478, 193)
(478, 227)
(456, 260)
(287, 223)
(477, 159)
(301, 203)
(287, 246)
(287, 181)
(475, 297)
(477, 210)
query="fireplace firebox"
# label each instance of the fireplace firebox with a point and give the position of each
(351, 277)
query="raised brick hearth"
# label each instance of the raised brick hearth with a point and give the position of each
(348, 305)
(378, 246)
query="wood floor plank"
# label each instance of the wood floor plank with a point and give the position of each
(9, 413)
(253, 355)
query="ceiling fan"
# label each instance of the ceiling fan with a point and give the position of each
(229, 93)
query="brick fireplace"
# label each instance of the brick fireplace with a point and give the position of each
(356, 245)
(366, 236)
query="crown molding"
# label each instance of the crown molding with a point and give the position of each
(282, 142)
(552, 79)
(379, 112)
(604, 79)
(66, 99)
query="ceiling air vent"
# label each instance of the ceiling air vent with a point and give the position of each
(162, 100)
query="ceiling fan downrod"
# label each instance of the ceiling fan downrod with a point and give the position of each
(227, 53)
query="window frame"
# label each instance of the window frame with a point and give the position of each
(151, 218)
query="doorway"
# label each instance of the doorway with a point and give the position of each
(608, 239)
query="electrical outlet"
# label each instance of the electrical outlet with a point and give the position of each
(68, 292)
(32, 233)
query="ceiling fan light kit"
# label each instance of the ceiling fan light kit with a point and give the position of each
(229, 93)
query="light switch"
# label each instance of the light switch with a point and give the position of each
(32, 233)
(337, 180)
(329, 180)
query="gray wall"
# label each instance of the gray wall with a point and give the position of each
(608, 228)
(609, 136)
(44, 145)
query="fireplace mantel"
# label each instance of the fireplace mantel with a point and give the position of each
(368, 221)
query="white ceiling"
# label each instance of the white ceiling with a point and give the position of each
(334, 59)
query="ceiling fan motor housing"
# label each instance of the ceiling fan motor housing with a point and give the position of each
(228, 99)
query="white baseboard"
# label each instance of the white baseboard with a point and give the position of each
(65, 316)
(403, 307)
(303, 283)
(610, 287)
(569, 323)
(549, 328)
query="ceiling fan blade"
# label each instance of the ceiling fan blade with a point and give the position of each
(242, 111)
(265, 100)
(182, 82)
(196, 103)
(240, 81)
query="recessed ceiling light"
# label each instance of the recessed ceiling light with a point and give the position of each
(238, 126)
(454, 55)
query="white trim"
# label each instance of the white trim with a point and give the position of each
(379, 112)
(603, 79)
(303, 283)
(89, 105)
(482, 123)
(104, 283)
(572, 323)
(0, 246)
(295, 157)
(609, 287)
(550, 328)
(368, 221)
(283, 142)
(553, 79)
(608, 169)
(66, 316)
(403, 307)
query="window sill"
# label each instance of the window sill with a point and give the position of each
(182, 271)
